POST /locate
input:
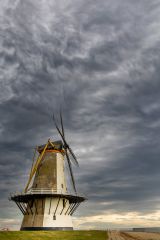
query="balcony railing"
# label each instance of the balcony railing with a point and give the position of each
(48, 191)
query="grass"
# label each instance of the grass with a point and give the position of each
(54, 235)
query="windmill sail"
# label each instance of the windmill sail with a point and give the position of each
(66, 148)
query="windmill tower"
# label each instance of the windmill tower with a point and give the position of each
(46, 203)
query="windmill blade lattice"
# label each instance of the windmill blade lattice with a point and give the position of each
(67, 148)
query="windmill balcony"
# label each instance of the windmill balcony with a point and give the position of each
(45, 192)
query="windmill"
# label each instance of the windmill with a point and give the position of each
(46, 202)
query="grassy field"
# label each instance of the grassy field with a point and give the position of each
(54, 235)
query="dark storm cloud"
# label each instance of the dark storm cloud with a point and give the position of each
(100, 60)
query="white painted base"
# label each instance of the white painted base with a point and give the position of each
(55, 214)
(61, 221)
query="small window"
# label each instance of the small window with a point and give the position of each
(54, 217)
(62, 185)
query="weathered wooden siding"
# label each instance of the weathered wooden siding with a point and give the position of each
(47, 172)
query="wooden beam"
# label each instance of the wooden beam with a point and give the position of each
(33, 160)
(57, 206)
(63, 207)
(35, 206)
(51, 143)
(34, 169)
(30, 208)
(50, 205)
(43, 202)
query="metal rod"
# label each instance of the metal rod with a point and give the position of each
(75, 209)
(25, 207)
(69, 208)
(20, 205)
(74, 204)
(20, 208)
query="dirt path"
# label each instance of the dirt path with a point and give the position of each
(127, 236)
(116, 235)
(143, 235)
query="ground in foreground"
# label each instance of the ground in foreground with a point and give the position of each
(117, 235)
(54, 235)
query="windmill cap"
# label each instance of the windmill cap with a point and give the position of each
(57, 145)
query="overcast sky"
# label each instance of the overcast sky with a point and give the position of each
(100, 62)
